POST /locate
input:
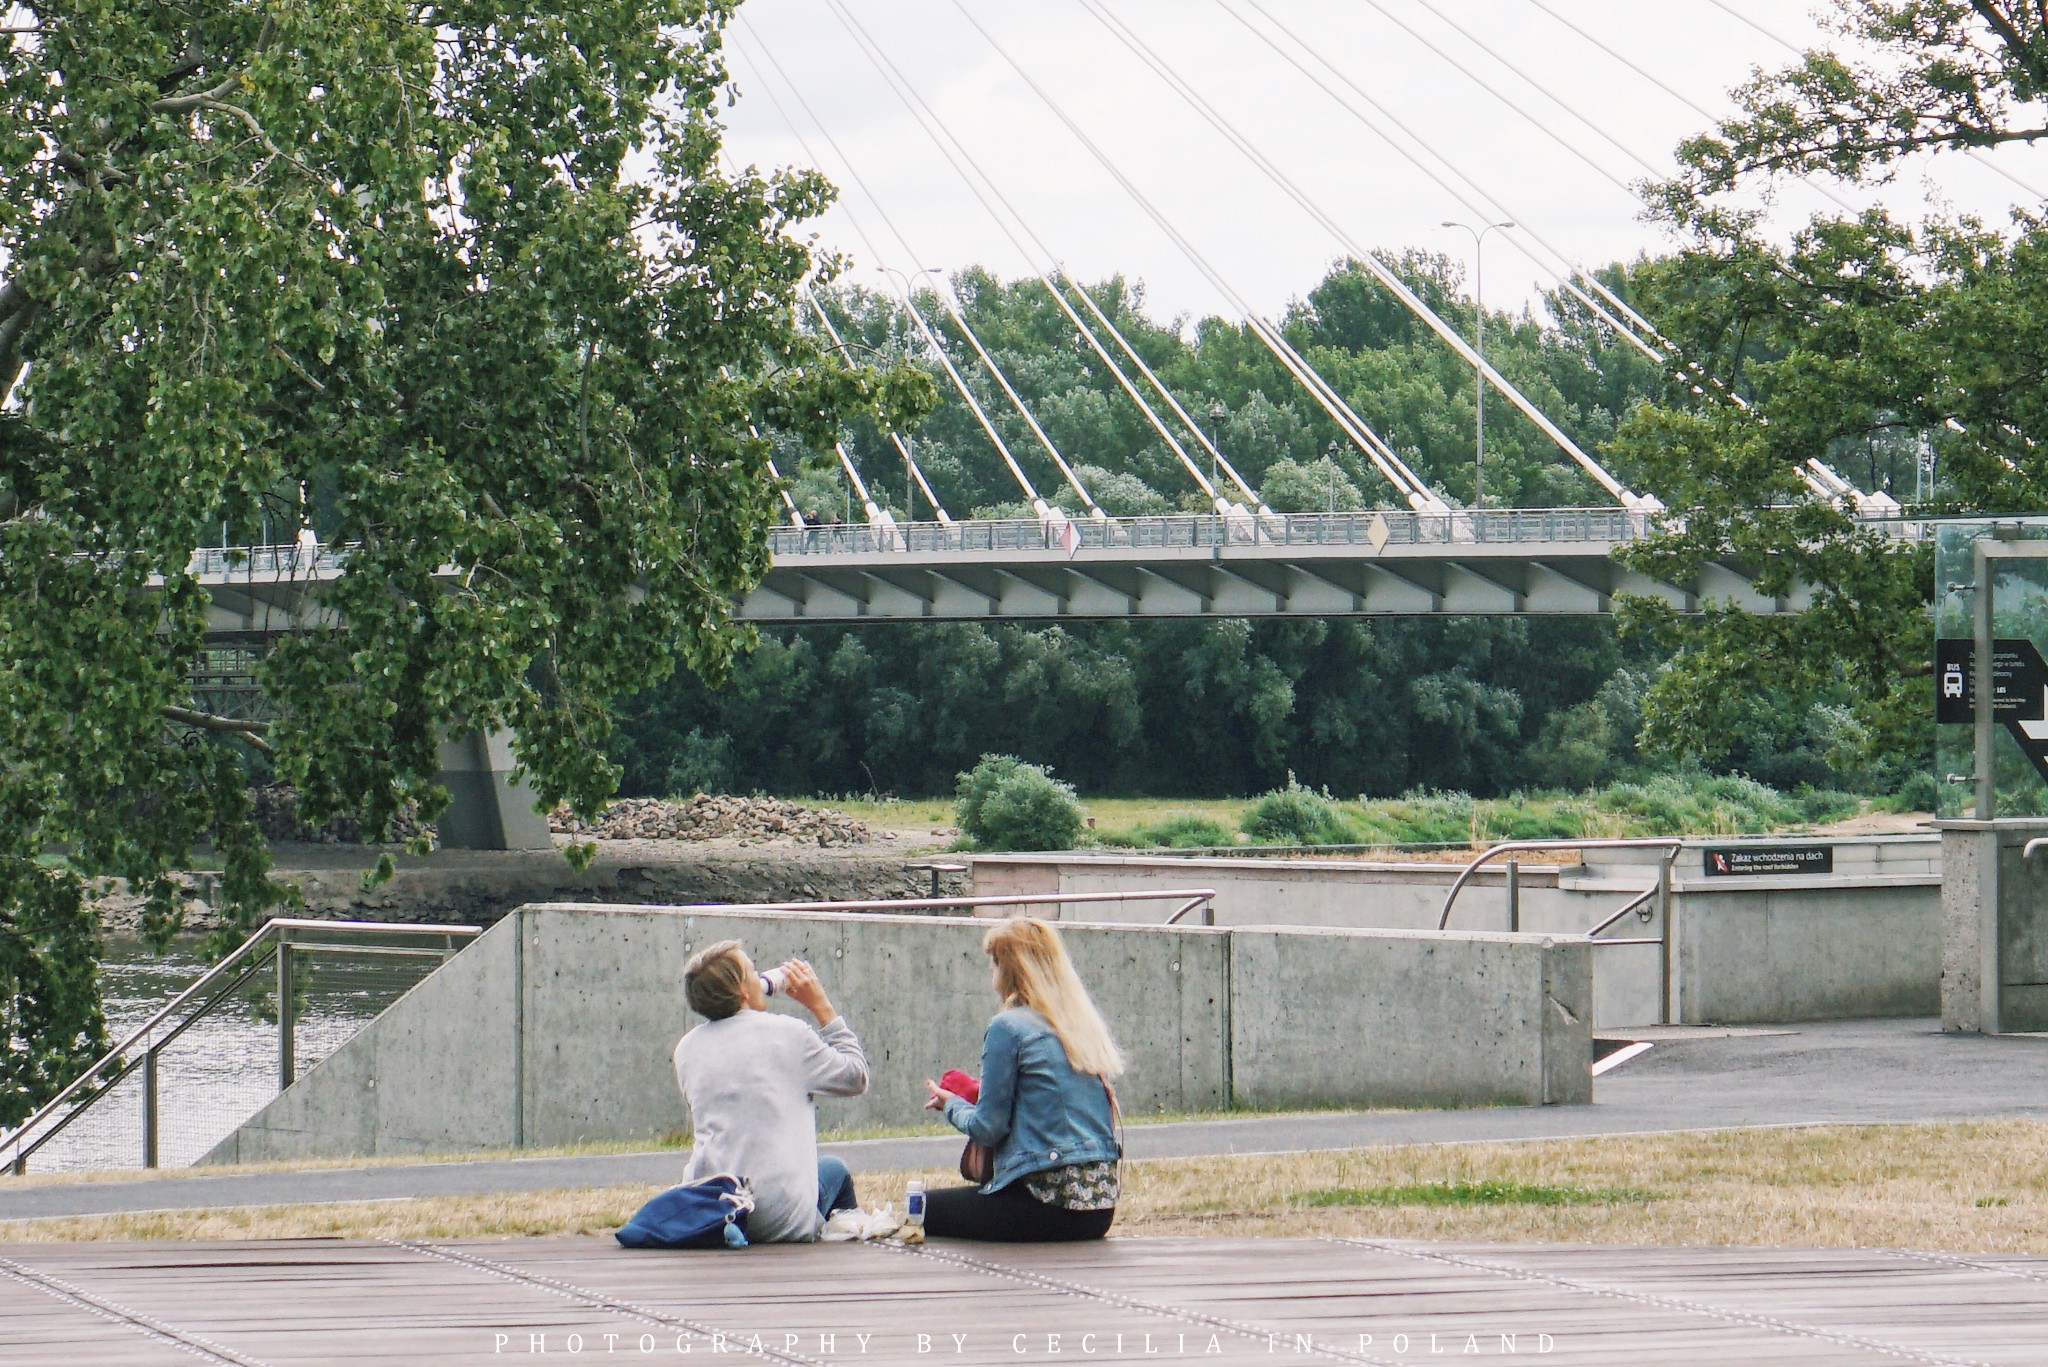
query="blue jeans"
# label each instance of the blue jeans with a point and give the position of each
(835, 1187)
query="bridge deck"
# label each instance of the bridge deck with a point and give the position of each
(1152, 1300)
(1494, 562)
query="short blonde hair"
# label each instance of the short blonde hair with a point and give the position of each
(712, 978)
(1036, 972)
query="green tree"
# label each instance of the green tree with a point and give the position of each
(1289, 487)
(471, 275)
(1857, 333)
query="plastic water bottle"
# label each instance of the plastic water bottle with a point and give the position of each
(913, 1203)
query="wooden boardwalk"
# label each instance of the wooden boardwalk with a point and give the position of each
(286, 1303)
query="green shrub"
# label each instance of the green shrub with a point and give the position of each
(1822, 805)
(1006, 804)
(1295, 815)
(1699, 804)
(1185, 832)
(1917, 794)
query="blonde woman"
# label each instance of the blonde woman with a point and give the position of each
(1045, 1107)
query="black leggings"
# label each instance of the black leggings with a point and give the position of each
(1012, 1216)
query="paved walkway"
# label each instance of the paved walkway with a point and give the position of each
(285, 1303)
(1858, 1072)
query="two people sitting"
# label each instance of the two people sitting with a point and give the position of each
(1046, 1109)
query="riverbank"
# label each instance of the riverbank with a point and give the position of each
(477, 887)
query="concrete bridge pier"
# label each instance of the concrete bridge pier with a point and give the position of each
(486, 810)
(1994, 904)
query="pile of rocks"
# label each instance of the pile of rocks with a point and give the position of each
(277, 816)
(707, 817)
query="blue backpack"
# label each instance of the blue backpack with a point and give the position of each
(711, 1213)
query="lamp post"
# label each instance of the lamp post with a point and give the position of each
(1330, 455)
(909, 512)
(1479, 348)
(1218, 415)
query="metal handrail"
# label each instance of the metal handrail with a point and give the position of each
(1660, 890)
(274, 940)
(1669, 844)
(1193, 896)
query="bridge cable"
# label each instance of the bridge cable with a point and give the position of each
(1492, 206)
(1629, 327)
(796, 518)
(1822, 479)
(1973, 153)
(1391, 467)
(1669, 89)
(875, 514)
(1145, 369)
(956, 153)
(944, 297)
(1042, 509)
(1648, 166)
(909, 460)
(1372, 264)
(1819, 478)
(907, 92)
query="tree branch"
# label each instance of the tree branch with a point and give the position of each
(2023, 51)
(250, 731)
(178, 104)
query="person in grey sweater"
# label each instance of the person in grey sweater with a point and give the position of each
(750, 1078)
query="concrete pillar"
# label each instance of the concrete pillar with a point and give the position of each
(1994, 927)
(486, 811)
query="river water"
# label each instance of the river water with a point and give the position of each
(224, 1069)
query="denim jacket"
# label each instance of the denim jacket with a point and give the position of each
(1035, 1111)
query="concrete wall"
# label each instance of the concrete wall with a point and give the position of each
(1787, 954)
(1406, 1018)
(1861, 941)
(1994, 927)
(557, 1025)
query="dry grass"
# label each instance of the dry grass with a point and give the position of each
(1979, 1187)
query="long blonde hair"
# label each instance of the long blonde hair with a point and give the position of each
(1036, 972)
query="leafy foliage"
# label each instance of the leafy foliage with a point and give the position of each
(1295, 815)
(463, 286)
(1006, 804)
(1860, 341)
(1186, 832)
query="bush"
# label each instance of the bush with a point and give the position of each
(1006, 804)
(1917, 794)
(1295, 815)
(1185, 832)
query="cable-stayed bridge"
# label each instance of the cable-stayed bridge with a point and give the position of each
(1530, 561)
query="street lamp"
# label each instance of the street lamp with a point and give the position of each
(909, 471)
(1218, 415)
(1330, 455)
(1479, 347)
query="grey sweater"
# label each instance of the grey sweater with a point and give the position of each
(749, 1080)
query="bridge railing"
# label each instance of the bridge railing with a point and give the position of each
(1380, 528)
(1592, 527)
(267, 563)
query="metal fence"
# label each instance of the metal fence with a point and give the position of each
(193, 1064)
(1603, 526)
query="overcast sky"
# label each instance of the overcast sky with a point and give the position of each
(1267, 247)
